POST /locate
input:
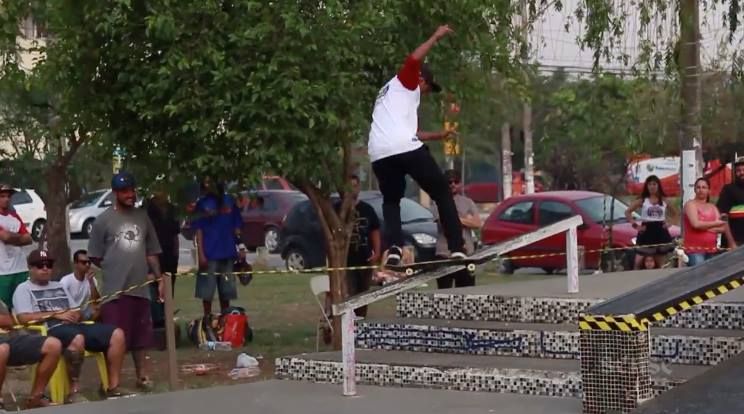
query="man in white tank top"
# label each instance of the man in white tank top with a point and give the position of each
(396, 149)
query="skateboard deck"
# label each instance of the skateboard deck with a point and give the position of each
(409, 269)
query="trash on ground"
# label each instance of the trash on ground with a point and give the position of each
(246, 361)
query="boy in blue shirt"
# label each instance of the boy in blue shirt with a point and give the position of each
(217, 226)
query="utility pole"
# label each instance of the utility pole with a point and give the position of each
(506, 161)
(689, 68)
(529, 155)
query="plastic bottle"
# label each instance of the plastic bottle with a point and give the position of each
(238, 373)
(215, 346)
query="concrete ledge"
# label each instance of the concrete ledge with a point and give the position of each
(674, 346)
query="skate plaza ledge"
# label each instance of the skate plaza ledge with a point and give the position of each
(614, 340)
(346, 309)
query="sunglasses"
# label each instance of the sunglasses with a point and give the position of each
(84, 262)
(43, 265)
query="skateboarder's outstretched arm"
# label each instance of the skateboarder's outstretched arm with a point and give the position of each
(421, 51)
(411, 70)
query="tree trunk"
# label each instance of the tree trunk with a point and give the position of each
(506, 161)
(337, 259)
(689, 69)
(56, 229)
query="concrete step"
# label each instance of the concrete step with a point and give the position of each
(537, 340)
(530, 376)
(465, 304)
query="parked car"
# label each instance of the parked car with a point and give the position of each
(303, 243)
(30, 207)
(84, 211)
(526, 213)
(263, 213)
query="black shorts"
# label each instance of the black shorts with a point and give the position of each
(97, 335)
(24, 349)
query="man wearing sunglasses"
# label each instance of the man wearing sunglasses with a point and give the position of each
(82, 286)
(470, 219)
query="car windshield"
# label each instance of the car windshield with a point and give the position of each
(410, 211)
(88, 199)
(600, 209)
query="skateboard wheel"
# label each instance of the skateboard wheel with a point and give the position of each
(471, 267)
(409, 272)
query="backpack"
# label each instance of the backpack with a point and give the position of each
(232, 326)
(204, 329)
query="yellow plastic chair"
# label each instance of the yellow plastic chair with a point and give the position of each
(59, 383)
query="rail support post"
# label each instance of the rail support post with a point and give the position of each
(348, 352)
(572, 260)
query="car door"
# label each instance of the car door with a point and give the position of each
(516, 220)
(252, 215)
(23, 204)
(549, 212)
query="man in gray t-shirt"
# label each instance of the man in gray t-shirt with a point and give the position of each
(470, 219)
(124, 245)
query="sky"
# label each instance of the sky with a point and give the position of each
(553, 46)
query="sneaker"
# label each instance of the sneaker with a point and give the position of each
(394, 256)
(114, 393)
(458, 256)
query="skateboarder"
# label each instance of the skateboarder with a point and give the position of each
(396, 149)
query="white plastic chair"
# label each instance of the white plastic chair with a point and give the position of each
(321, 285)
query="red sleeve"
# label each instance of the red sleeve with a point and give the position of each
(409, 73)
(22, 229)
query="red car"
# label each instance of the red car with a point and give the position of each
(263, 212)
(525, 213)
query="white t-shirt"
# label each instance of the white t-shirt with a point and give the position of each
(653, 212)
(12, 259)
(30, 298)
(79, 291)
(394, 121)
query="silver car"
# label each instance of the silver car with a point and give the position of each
(84, 211)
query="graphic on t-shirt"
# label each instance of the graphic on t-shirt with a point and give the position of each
(51, 300)
(128, 237)
(655, 212)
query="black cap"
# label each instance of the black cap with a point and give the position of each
(122, 180)
(6, 188)
(39, 256)
(453, 175)
(428, 76)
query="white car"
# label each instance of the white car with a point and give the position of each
(84, 211)
(30, 207)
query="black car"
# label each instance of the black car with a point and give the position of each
(303, 246)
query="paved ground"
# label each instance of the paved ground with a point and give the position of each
(284, 397)
(599, 286)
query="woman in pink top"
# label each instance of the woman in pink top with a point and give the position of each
(701, 225)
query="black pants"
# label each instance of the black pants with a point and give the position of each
(420, 165)
(358, 281)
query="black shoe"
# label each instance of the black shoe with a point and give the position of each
(394, 256)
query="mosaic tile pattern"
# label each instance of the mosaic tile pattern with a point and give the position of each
(712, 315)
(545, 383)
(691, 350)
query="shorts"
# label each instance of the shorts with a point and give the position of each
(97, 335)
(219, 276)
(8, 285)
(24, 349)
(131, 314)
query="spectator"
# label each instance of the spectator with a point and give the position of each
(702, 224)
(41, 298)
(13, 236)
(648, 263)
(731, 203)
(17, 349)
(469, 219)
(124, 245)
(653, 232)
(162, 214)
(82, 286)
(217, 226)
(364, 247)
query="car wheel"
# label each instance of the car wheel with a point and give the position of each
(88, 227)
(507, 267)
(549, 270)
(271, 239)
(296, 259)
(38, 229)
(617, 261)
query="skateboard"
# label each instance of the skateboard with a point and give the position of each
(387, 275)
(470, 263)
